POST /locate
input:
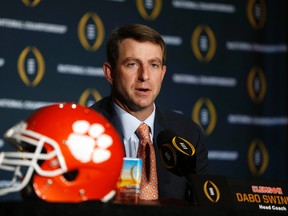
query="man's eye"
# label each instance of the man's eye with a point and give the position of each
(131, 64)
(155, 65)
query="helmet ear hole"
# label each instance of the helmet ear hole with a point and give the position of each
(71, 175)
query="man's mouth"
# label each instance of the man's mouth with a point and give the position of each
(142, 90)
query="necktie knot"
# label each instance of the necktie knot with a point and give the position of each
(143, 132)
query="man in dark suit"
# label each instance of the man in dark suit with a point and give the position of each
(135, 69)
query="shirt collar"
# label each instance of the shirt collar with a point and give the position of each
(130, 123)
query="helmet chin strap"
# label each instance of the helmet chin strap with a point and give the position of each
(108, 196)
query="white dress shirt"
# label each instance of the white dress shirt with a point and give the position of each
(129, 125)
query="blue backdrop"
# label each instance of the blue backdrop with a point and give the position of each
(227, 69)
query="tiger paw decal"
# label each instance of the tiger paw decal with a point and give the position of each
(88, 142)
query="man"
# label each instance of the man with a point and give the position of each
(135, 69)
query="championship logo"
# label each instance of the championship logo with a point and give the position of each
(211, 191)
(256, 85)
(256, 13)
(31, 66)
(31, 3)
(203, 43)
(258, 157)
(91, 31)
(204, 114)
(149, 9)
(89, 97)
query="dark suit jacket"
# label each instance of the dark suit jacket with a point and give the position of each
(169, 184)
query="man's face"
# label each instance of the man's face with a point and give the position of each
(138, 75)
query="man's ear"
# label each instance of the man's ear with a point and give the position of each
(164, 71)
(108, 72)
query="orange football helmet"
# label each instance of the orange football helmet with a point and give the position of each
(71, 154)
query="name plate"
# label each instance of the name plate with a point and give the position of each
(240, 194)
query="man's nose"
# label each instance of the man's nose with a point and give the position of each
(144, 73)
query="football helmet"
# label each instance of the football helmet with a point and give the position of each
(69, 153)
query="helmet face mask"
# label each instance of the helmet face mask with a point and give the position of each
(29, 157)
(70, 153)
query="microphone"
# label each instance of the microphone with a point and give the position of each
(177, 154)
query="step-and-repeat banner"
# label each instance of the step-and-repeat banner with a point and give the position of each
(227, 69)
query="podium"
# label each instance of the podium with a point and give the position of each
(214, 195)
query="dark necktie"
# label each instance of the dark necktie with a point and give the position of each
(149, 180)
